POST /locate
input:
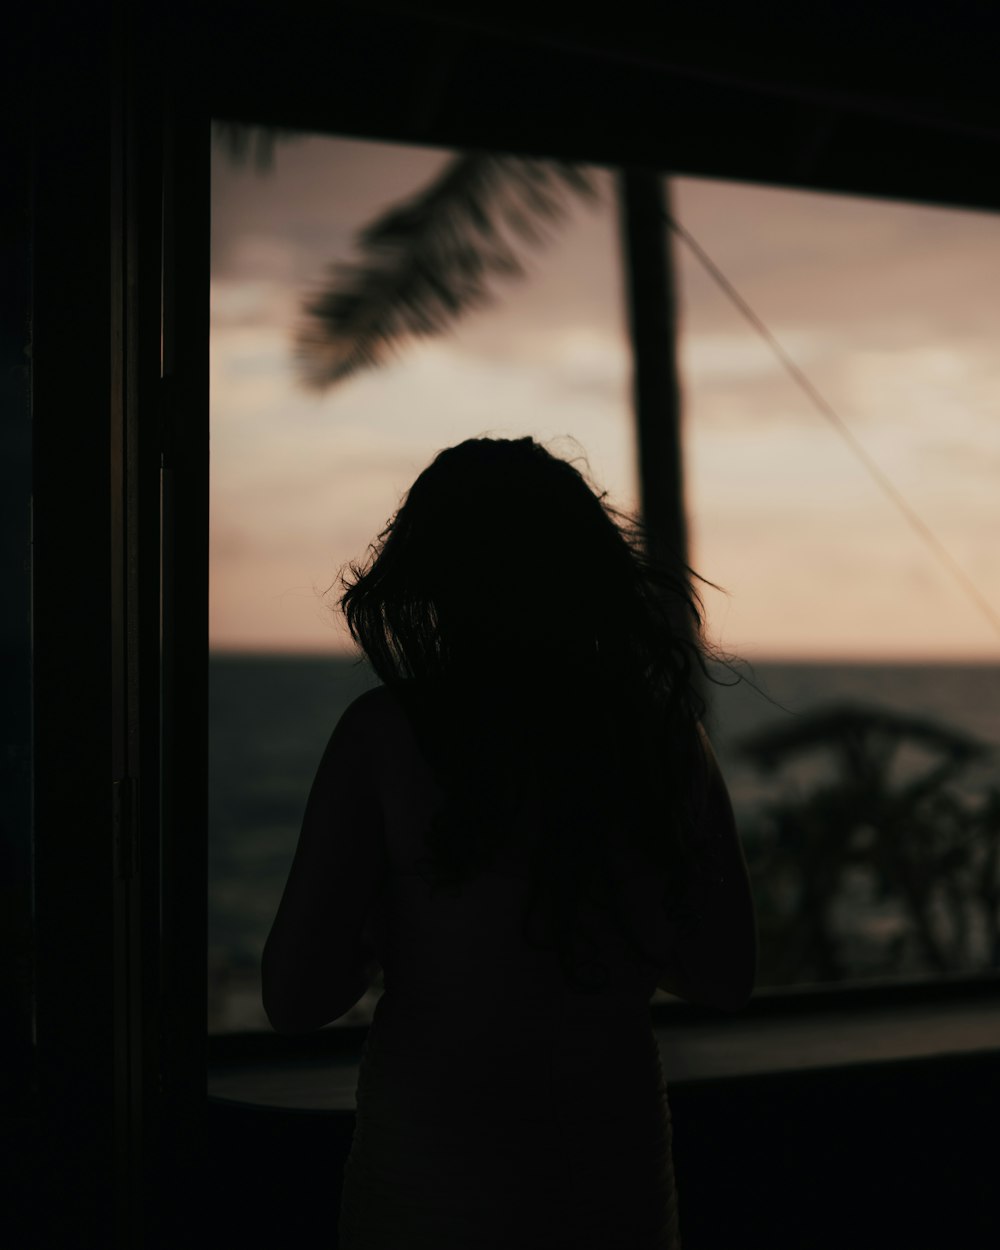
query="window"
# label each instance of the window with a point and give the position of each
(880, 653)
(832, 596)
(301, 482)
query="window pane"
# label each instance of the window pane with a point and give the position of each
(851, 623)
(890, 310)
(303, 481)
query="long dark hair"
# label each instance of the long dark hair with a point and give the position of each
(536, 644)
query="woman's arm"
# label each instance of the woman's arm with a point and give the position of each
(317, 959)
(716, 964)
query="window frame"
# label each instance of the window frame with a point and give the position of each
(113, 103)
(427, 70)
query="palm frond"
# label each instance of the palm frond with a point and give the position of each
(429, 260)
(243, 143)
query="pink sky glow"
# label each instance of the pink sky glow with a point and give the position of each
(890, 309)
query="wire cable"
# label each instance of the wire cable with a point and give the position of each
(826, 409)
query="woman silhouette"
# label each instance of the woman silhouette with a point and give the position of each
(526, 827)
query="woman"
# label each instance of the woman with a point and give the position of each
(525, 826)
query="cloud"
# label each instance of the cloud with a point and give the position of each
(890, 309)
(828, 258)
(252, 302)
(724, 358)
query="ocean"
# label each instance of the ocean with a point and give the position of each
(270, 717)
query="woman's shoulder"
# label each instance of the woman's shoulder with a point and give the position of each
(372, 707)
(380, 727)
(380, 714)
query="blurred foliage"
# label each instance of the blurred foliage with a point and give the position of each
(429, 259)
(425, 261)
(251, 145)
(886, 832)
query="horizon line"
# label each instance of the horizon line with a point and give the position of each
(894, 660)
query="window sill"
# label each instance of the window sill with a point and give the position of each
(777, 1032)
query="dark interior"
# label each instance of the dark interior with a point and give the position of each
(110, 1138)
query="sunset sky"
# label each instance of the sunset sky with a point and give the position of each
(890, 309)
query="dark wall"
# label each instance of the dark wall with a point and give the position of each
(791, 1160)
(833, 97)
(884, 1155)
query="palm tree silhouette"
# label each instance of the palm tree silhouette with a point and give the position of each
(431, 259)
